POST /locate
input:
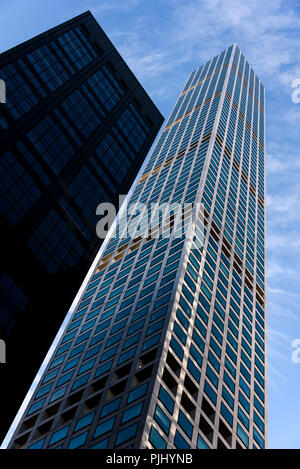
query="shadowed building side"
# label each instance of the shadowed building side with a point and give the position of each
(75, 129)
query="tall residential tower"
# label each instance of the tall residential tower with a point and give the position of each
(166, 347)
(75, 129)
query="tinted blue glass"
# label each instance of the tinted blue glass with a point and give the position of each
(156, 439)
(78, 441)
(180, 442)
(104, 427)
(59, 435)
(126, 434)
(133, 412)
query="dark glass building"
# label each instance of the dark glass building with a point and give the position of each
(74, 130)
(166, 347)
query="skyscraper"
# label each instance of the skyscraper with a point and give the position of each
(74, 130)
(166, 346)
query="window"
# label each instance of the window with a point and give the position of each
(65, 378)
(57, 361)
(59, 435)
(32, 161)
(185, 424)
(131, 340)
(108, 353)
(37, 445)
(156, 439)
(244, 402)
(137, 393)
(243, 418)
(126, 355)
(176, 347)
(180, 442)
(101, 444)
(104, 427)
(103, 88)
(258, 438)
(196, 354)
(259, 406)
(51, 143)
(48, 67)
(84, 421)
(126, 434)
(150, 342)
(210, 392)
(133, 412)
(58, 394)
(81, 113)
(110, 407)
(193, 370)
(77, 48)
(212, 376)
(179, 332)
(50, 375)
(201, 444)
(54, 244)
(242, 435)
(259, 422)
(130, 124)
(18, 191)
(86, 366)
(115, 338)
(20, 98)
(162, 420)
(87, 192)
(80, 381)
(227, 414)
(111, 155)
(166, 399)
(36, 406)
(78, 441)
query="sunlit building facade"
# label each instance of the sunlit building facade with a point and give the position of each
(166, 347)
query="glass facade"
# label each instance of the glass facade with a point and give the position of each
(166, 347)
(74, 131)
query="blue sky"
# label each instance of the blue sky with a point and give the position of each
(163, 41)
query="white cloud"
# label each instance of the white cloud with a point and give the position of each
(282, 163)
(197, 30)
(275, 270)
(262, 28)
(104, 6)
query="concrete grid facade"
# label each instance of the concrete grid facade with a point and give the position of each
(166, 347)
